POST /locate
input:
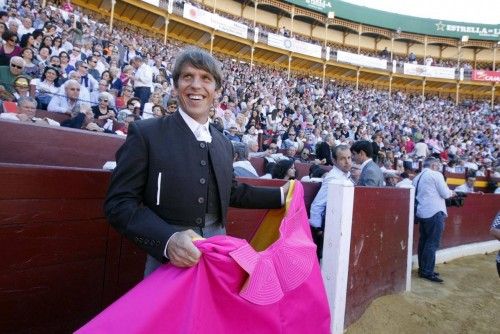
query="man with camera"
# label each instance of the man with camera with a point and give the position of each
(430, 195)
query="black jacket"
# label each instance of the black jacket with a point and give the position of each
(160, 183)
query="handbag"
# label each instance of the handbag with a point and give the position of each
(270, 285)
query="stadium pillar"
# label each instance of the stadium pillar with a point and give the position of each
(255, 13)
(165, 34)
(457, 93)
(360, 31)
(357, 79)
(324, 73)
(392, 48)
(390, 85)
(458, 55)
(251, 57)
(112, 16)
(423, 89)
(215, 5)
(293, 15)
(425, 47)
(289, 64)
(212, 37)
(495, 47)
(493, 95)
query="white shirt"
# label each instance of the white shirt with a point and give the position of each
(318, 206)
(421, 150)
(200, 131)
(143, 77)
(404, 183)
(464, 188)
(431, 193)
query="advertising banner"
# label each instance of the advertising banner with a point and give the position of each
(291, 44)
(429, 71)
(481, 75)
(360, 60)
(214, 21)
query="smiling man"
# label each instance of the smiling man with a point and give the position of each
(174, 178)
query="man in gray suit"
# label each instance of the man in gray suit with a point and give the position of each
(371, 175)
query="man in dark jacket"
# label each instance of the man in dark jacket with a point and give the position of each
(174, 177)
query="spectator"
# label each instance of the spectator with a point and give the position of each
(26, 108)
(284, 169)
(324, 150)
(46, 87)
(86, 80)
(431, 214)
(30, 68)
(67, 103)
(340, 171)
(8, 74)
(102, 111)
(371, 175)
(10, 48)
(142, 80)
(468, 186)
(241, 166)
(405, 181)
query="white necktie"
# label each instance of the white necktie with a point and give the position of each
(202, 134)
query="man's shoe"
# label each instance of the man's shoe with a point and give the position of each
(420, 273)
(432, 278)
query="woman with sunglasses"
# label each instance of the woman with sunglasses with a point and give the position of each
(10, 48)
(30, 68)
(102, 110)
(46, 86)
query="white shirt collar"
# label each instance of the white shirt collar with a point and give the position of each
(195, 127)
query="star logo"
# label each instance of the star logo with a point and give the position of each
(440, 26)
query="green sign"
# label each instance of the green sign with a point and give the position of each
(412, 24)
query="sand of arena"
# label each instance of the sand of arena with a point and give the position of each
(467, 302)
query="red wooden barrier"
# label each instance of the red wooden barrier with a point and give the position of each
(27, 143)
(379, 241)
(468, 224)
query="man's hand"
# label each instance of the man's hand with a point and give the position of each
(286, 188)
(181, 250)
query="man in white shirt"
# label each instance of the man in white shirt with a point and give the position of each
(468, 186)
(341, 170)
(431, 192)
(68, 102)
(143, 80)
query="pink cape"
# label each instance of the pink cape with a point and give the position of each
(233, 289)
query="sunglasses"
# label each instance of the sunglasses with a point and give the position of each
(103, 100)
(22, 85)
(13, 40)
(172, 106)
(17, 66)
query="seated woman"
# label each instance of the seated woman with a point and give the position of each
(45, 87)
(102, 111)
(284, 169)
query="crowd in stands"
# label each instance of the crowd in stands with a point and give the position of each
(71, 64)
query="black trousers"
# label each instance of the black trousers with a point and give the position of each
(143, 94)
